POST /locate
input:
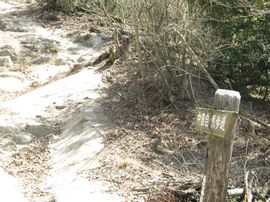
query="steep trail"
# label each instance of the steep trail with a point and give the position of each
(52, 125)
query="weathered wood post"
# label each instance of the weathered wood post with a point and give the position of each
(220, 124)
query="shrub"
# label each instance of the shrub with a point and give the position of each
(167, 30)
(243, 55)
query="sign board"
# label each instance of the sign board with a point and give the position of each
(214, 122)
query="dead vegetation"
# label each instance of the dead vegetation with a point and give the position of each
(131, 158)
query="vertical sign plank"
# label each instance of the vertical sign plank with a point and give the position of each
(219, 151)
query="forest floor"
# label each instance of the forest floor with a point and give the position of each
(93, 136)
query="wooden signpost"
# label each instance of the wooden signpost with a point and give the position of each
(219, 123)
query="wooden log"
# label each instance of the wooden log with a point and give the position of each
(219, 151)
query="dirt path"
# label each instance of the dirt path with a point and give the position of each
(51, 125)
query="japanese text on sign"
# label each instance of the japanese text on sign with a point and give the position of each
(215, 122)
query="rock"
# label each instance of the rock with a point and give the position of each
(49, 17)
(93, 29)
(45, 199)
(250, 126)
(161, 147)
(59, 107)
(90, 39)
(46, 72)
(42, 60)
(3, 69)
(82, 37)
(23, 138)
(49, 47)
(40, 44)
(18, 75)
(60, 61)
(10, 53)
(5, 61)
(7, 25)
(3, 25)
(16, 29)
(11, 49)
(13, 81)
(30, 47)
(39, 129)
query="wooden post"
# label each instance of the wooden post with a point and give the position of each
(219, 151)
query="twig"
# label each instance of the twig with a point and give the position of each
(137, 40)
(185, 163)
(203, 188)
(201, 66)
(249, 117)
(192, 91)
(248, 193)
(236, 192)
(167, 167)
